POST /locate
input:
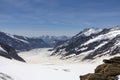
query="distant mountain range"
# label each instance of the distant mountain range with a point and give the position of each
(21, 43)
(53, 40)
(90, 44)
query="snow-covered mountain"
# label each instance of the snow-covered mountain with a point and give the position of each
(9, 52)
(52, 40)
(90, 44)
(21, 43)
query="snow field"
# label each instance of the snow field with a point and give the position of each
(54, 69)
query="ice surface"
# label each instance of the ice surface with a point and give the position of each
(40, 66)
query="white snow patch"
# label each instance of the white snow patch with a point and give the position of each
(100, 45)
(82, 49)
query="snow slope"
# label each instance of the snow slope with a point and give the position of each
(90, 44)
(45, 69)
(109, 35)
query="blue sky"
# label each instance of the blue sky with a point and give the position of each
(57, 17)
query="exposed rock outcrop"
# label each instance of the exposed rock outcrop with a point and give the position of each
(9, 52)
(107, 71)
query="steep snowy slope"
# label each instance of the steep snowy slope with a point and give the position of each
(90, 44)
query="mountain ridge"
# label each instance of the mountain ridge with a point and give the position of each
(90, 46)
(21, 43)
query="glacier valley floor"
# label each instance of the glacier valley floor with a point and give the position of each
(40, 66)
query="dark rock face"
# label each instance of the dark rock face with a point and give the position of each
(107, 71)
(9, 52)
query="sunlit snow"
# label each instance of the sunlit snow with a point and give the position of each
(40, 66)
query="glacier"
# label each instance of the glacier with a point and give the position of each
(43, 67)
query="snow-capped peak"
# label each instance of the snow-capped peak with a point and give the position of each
(89, 31)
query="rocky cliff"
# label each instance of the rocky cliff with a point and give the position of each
(9, 52)
(109, 70)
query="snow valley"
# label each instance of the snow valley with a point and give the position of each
(41, 66)
(56, 58)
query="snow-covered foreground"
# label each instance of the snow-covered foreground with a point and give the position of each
(40, 66)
